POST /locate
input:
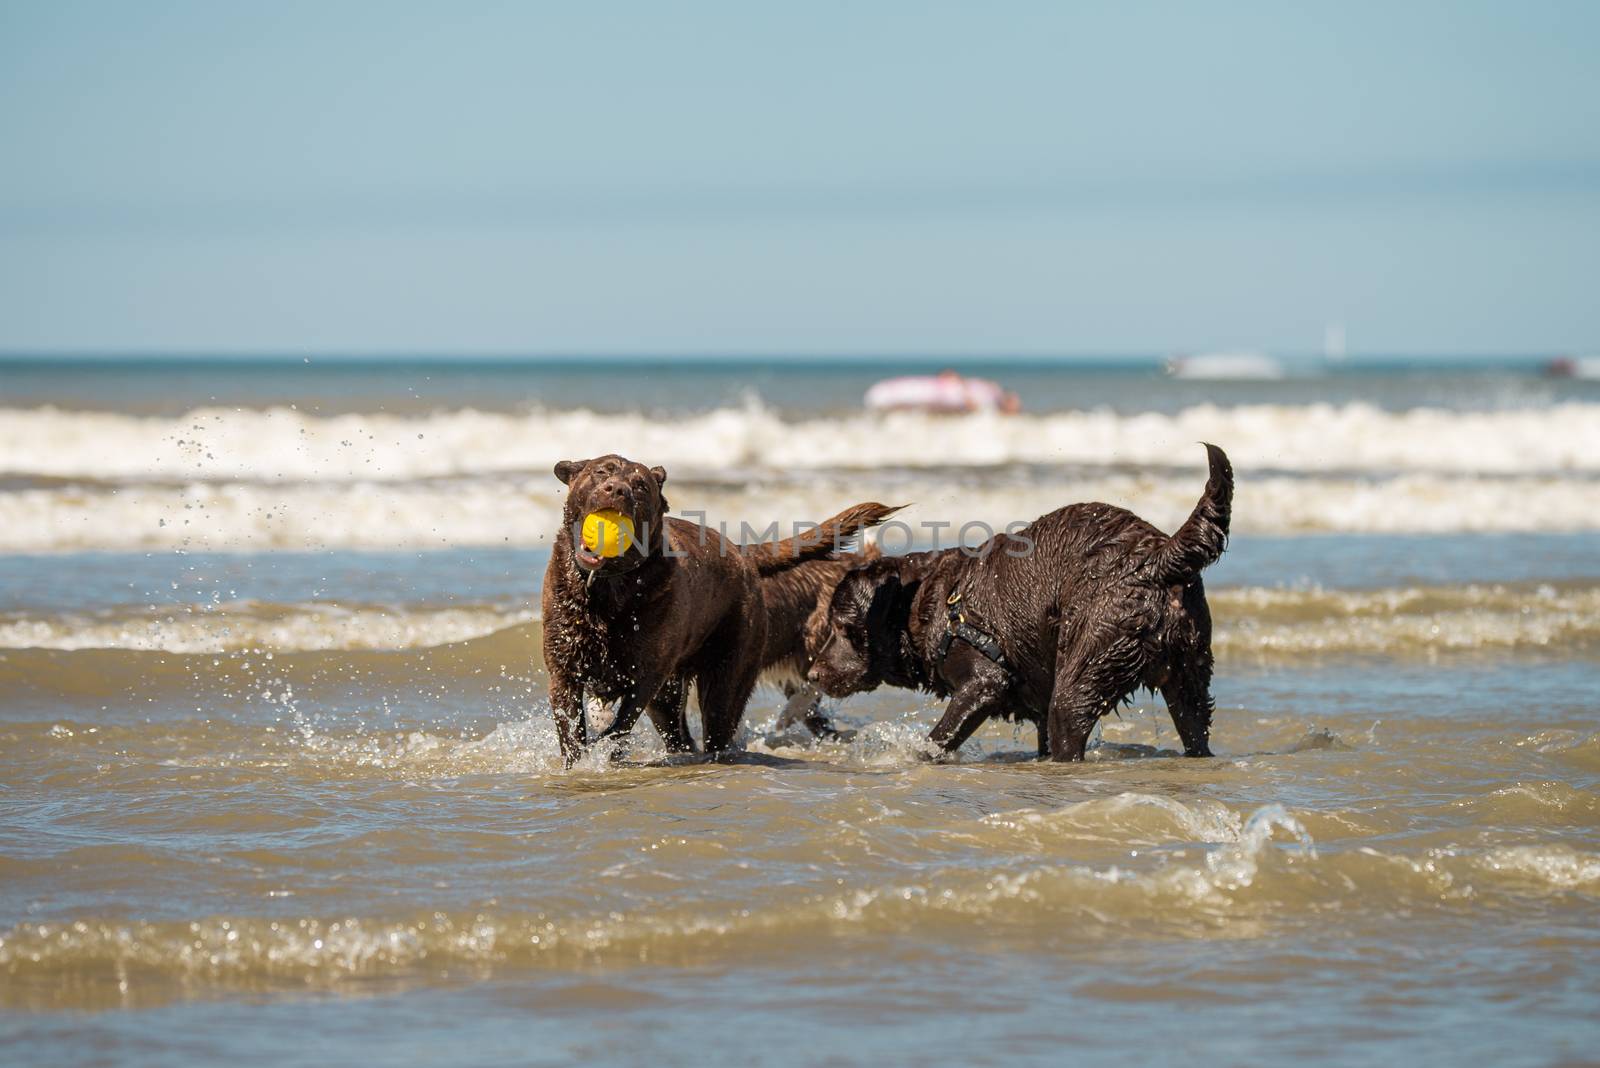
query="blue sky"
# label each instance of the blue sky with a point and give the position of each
(808, 178)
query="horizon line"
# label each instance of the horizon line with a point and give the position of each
(310, 356)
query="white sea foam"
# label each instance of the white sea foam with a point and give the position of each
(1420, 620)
(242, 626)
(1253, 622)
(526, 510)
(282, 443)
(264, 479)
(1555, 867)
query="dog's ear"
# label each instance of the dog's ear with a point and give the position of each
(888, 617)
(859, 585)
(660, 474)
(869, 592)
(891, 602)
(847, 604)
(565, 469)
(885, 592)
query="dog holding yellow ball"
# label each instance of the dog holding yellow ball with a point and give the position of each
(607, 533)
(639, 606)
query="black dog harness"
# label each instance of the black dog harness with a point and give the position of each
(958, 627)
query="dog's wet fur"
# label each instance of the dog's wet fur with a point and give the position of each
(797, 624)
(1101, 605)
(681, 606)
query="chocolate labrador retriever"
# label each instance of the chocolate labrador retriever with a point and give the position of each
(797, 624)
(1057, 623)
(682, 605)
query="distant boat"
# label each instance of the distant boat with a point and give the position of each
(1242, 365)
(1573, 367)
(946, 393)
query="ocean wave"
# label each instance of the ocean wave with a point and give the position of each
(525, 511)
(51, 678)
(1542, 803)
(1406, 621)
(294, 745)
(1545, 867)
(255, 627)
(286, 444)
(1269, 875)
(1569, 747)
(1249, 622)
(1125, 819)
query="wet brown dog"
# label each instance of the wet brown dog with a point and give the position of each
(681, 606)
(1057, 623)
(797, 624)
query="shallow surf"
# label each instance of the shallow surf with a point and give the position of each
(357, 797)
(276, 763)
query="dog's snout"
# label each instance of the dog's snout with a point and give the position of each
(818, 680)
(613, 493)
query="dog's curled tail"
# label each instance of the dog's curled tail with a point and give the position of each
(1203, 536)
(820, 541)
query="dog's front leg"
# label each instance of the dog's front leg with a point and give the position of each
(647, 683)
(566, 704)
(666, 712)
(977, 699)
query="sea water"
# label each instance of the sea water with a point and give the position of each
(278, 781)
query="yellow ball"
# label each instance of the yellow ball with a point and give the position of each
(607, 532)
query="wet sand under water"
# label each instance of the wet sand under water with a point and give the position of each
(286, 850)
